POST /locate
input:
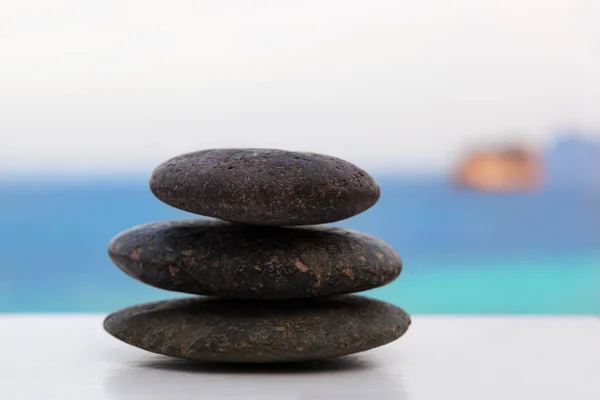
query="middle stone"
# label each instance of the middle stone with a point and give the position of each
(215, 258)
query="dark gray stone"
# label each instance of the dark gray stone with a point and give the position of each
(217, 258)
(265, 187)
(259, 331)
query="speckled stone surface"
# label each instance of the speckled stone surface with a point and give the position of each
(259, 331)
(266, 187)
(218, 258)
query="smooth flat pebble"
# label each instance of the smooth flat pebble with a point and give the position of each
(217, 258)
(265, 186)
(259, 331)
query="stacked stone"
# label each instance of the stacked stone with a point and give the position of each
(271, 291)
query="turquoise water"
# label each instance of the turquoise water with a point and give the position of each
(511, 288)
(570, 285)
(464, 252)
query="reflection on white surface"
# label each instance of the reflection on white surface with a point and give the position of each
(466, 358)
(348, 378)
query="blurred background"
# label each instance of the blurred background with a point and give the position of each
(480, 120)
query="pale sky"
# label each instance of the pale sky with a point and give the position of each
(99, 86)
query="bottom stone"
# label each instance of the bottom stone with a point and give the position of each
(224, 330)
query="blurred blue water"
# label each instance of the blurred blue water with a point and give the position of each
(464, 252)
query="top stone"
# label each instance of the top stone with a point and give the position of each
(265, 187)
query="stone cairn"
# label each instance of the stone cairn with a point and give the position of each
(271, 291)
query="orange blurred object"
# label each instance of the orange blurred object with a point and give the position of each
(506, 169)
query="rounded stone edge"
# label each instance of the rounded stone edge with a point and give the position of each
(111, 320)
(155, 189)
(118, 259)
